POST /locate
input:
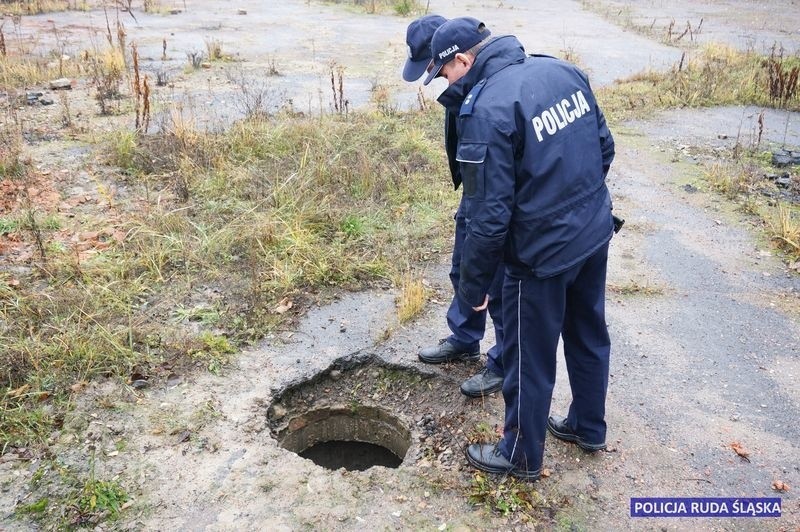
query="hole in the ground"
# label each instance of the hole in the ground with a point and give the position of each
(354, 437)
(358, 400)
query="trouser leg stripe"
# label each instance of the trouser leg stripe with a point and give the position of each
(519, 367)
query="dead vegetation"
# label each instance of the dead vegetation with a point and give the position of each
(715, 75)
(222, 227)
(667, 30)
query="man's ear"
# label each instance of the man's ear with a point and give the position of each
(465, 59)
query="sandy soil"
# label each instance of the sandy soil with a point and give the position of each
(707, 359)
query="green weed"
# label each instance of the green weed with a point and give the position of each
(214, 351)
(405, 7)
(35, 508)
(482, 432)
(8, 225)
(100, 496)
(507, 496)
(65, 500)
(402, 8)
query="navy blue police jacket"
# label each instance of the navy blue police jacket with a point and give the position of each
(533, 152)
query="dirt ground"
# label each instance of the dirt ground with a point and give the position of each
(706, 357)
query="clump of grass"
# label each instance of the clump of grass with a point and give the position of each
(402, 8)
(412, 298)
(482, 432)
(107, 69)
(508, 496)
(34, 7)
(715, 75)
(20, 72)
(405, 7)
(66, 500)
(731, 179)
(214, 351)
(122, 149)
(214, 49)
(11, 161)
(636, 288)
(786, 229)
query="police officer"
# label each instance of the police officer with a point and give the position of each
(534, 151)
(467, 328)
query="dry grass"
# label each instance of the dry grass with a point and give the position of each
(217, 230)
(412, 298)
(636, 288)
(18, 73)
(785, 229)
(402, 8)
(714, 75)
(34, 7)
(733, 178)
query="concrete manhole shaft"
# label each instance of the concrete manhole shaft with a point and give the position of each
(354, 437)
(362, 412)
(356, 414)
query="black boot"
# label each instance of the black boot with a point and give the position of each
(557, 426)
(487, 457)
(446, 352)
(482, 384)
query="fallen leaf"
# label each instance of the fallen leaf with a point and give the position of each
(546, 473)
(17, 392)
(779, 485)
(78, 386)
(284, 305)
(741, 451)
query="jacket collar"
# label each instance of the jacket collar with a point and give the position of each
(496, 55)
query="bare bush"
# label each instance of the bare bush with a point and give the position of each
(256, 97)
(195, 59)
(782, 78)
(340, 104)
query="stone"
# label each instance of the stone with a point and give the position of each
(785, 158)
(278, 411)
(61, 84)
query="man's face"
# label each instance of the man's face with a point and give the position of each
(454, 70)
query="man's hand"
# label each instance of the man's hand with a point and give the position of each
(482, 307)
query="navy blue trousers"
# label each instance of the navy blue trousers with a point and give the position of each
(536, 312)
(468, 329)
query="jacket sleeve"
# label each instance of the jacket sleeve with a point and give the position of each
(606, 140)
(450, 146)
(486, 158)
